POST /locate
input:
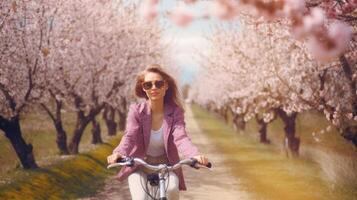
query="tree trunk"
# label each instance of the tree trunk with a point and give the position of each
(352, 82)
(122, 110)
(350, 133)
(238, 121)
(292, 142)
(24, 151)
(122, 120)
(262, 131)
(225, 114)
(96, 136)
(61, 138)
(235, 122)
(241, 123)
(109, 118)
(81, 124)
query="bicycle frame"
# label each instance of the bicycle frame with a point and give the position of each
(161, 169)
(162, 182)
(164, 169)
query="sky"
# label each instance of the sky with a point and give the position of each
(186, 40)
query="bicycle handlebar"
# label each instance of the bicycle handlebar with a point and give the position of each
(130, 161)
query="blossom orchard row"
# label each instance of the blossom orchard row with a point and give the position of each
(267, 74)
(73, 55)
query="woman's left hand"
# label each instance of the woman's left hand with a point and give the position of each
(202, 160)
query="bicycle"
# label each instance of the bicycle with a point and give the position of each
(161, 170)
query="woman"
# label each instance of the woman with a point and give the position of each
(155, 131)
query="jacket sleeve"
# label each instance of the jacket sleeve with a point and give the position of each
(132, 129)
(180, 138)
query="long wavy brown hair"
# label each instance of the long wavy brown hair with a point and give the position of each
(172, 94)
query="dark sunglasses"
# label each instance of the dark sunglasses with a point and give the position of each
(158, 84)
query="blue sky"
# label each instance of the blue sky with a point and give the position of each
(187, 40)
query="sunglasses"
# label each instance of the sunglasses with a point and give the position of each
(148, 84)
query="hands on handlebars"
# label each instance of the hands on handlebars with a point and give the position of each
(114, 158)
(197, 160)
(130, 161)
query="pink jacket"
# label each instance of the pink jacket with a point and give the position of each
(137, 135)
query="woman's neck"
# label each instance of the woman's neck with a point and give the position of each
(157, 107)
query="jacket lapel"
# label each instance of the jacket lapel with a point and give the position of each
(167, 125)
(146, 121)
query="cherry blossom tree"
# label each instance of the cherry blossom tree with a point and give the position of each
(98, 47)
(276, 76)
(262, 69)
(74, 55)
(25, 27)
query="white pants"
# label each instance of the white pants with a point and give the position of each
(138, 178)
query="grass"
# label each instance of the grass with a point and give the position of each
(38, 129)
(306, 124)
(78, 176)
(336, 156)
(264, 171)
(59, 177)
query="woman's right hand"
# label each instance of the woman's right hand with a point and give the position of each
(113, 158)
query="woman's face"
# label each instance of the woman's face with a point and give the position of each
(154, 86)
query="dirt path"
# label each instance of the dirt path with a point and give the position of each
(202, 184)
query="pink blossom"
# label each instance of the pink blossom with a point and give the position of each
(181, 16)
(152, 2)
(331, 13)
(340, 34)
(314, 20)
(349, 7)
(309, 24)
(291, 6)
(190, 1)
(148, 10)
(224, 9)
(349, 115)
(319, 51)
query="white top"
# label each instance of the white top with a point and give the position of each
(156, 144)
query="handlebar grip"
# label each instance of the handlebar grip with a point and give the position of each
(195, 161)
(126, 159)
(121, 159)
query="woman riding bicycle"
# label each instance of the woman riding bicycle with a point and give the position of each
(155, 131)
